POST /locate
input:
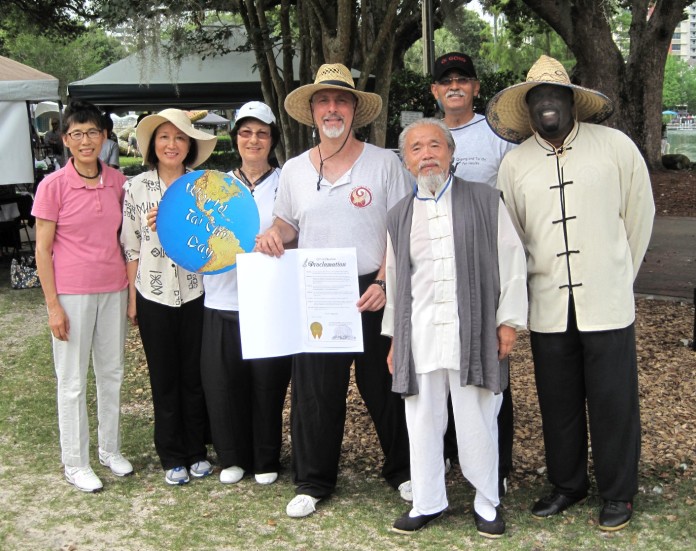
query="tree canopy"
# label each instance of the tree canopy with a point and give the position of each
(66, 59)
(619, 47)
(54, 18)
(680, 84)
(368, 35)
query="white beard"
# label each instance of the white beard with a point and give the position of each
(334, 131)
(431, 181)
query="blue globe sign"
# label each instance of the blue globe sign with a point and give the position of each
(205, 219)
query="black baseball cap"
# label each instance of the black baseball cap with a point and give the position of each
(454, 60)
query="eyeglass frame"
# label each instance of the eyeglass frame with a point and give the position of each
(248, 133)
(92, 134)
(447, 81)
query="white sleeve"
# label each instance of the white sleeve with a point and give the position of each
(388, 317)
(512, 266)
(282, 208)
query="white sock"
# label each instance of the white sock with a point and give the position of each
(484, 508)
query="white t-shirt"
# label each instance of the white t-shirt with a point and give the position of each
(221, 289)
(478, 151)
(350, 213)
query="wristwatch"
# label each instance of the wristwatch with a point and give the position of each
(381, 283)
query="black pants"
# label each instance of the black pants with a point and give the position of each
(319, 388)
(245, 398)
(172, 342)
(506, 432)
(599, 369)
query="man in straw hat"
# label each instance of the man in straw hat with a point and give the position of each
(477, 155)
(337, 194)
(456, 294)
(580, 197)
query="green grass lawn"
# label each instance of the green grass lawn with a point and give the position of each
(41, 511)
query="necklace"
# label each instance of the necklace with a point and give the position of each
(88, 177)
(322, 160)
(251, 185)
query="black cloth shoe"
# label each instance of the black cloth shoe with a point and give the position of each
(553, 504)
(406, 524)
(615, 515)
(492, 529)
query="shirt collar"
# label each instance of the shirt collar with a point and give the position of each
(425, 194)
(76, 182)
(565, 146)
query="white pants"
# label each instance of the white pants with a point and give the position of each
(475, 414)
(97, 325)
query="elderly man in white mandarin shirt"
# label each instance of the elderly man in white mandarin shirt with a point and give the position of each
(456, 295)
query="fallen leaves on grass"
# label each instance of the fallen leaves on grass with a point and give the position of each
(667, 377)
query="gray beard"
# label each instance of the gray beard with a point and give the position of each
(334, 132)
(432, 181)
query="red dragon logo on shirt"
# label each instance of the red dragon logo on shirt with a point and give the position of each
(360, 197)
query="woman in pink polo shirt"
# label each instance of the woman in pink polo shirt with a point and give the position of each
(83, 276)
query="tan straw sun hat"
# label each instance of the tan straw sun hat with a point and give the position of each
(332, 77)
(182, 120)
(507, 112)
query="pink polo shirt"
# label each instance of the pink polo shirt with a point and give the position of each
(87, 256)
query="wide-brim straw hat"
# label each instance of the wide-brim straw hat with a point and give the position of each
(507, 113)
(146, 128)
(332, 76)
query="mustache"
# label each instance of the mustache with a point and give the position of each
(430, 163)
(332, 117)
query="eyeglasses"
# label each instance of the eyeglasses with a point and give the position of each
(454, 80)
(246, 133)
(77, 135)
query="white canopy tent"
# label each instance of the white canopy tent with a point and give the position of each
(20, 85)
(44, 112)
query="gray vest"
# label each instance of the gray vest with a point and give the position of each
(475, 232)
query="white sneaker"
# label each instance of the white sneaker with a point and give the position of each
(266, 478)
(83, 478)
(231, 475)
(200, 469)
(301, 506)
(406, 491)
(118, 464)
(176, 476)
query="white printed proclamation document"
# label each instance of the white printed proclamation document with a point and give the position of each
(304, 301)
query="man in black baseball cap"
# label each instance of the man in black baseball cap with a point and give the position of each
(477, 156)
(451, 61)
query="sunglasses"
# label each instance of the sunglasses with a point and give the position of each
(450, 80)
